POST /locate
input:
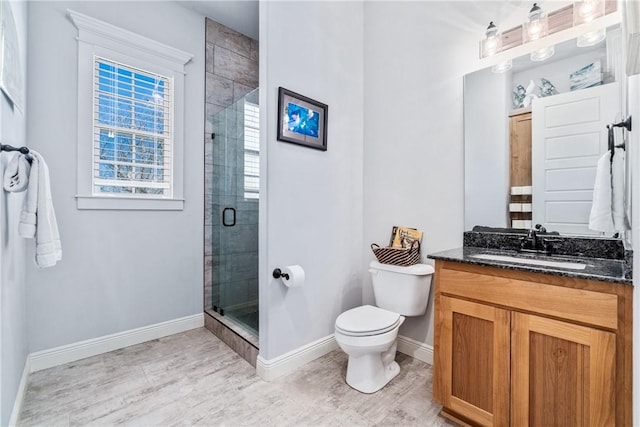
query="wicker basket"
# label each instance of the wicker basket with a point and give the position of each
(398, 256)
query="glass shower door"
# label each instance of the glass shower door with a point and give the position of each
(235, 199)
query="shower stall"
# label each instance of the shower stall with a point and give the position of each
(234, 184)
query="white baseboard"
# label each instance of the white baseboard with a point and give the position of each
(269, 370)
(69, 353)
(416, 349)
(22, 389)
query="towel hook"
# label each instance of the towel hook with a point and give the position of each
(23, 150)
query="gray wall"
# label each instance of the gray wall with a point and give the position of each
(415, 57)
(311, 212)
(120, 269)
(13, 292)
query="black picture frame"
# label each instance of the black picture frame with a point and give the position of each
(302, 120)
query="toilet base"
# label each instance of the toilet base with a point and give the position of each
(370, 372)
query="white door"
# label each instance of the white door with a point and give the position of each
(568, 137)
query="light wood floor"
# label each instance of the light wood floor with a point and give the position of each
(193, 378)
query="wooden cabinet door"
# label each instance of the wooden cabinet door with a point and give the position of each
(561, 374)
(520, 150)
(473, 349)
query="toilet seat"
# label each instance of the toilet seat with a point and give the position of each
(366, 321)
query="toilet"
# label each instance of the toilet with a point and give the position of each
(369, 334)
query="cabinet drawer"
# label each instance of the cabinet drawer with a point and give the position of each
(580, 305)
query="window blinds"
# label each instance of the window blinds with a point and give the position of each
(132, 135)
(251, 150)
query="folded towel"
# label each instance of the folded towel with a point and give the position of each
(600, 218)
(16, 175)
(38, 218)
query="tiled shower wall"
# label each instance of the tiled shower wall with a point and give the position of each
(231, 73)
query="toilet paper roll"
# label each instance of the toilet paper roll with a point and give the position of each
(296, 276)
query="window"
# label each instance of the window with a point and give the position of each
(251, 150)
(132, 131)
(130, 119)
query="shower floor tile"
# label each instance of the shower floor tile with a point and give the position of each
(248, 318)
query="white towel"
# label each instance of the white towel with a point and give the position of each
(607, 211)
(38, 219)
(27, 226)
(600, 218)
(618, 212)
(16, 175)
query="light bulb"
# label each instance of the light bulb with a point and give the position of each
(587, 10)
(491, 46)
(492, 42)
(536, 26)
(534, 30)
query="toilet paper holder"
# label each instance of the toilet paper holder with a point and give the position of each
(277, 273)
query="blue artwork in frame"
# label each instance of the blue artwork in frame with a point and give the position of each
(302, 120)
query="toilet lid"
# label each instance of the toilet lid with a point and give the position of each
(367, 320)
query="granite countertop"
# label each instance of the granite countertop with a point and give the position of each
(603, 269)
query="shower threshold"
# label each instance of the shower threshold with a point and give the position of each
(237, 326)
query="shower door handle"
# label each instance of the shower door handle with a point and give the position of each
(224, 217)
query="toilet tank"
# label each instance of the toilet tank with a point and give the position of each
(404, 290)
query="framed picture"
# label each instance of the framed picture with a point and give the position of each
(302, 120)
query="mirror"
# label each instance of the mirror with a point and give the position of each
(516, 178)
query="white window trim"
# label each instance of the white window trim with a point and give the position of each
(99, 38)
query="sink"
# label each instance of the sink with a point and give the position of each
(531, 261)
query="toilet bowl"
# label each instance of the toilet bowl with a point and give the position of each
(371, 353)
(368, 334)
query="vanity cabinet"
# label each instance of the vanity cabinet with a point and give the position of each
(529, 349)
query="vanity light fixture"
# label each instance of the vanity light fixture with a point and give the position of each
(542, 54)
(579, 13)
(502, 67)
(585, 11)
(492, 44)
(591, 38)
(537, 27)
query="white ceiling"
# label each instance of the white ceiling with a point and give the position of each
(239, 15)
(242, 15)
